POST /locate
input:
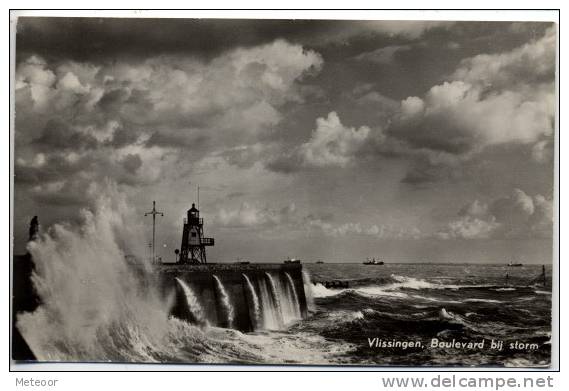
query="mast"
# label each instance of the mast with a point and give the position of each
(154, 212)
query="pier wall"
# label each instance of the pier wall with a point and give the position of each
(270, 284)
(201, 280)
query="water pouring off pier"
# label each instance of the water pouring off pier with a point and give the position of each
(244, 296)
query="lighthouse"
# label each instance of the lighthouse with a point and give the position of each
(193, 242)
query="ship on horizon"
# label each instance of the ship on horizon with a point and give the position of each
(373, 261)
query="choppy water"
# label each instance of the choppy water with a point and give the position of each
(419, 302)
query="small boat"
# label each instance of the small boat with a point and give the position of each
(373, 261)
(319, 262)
(512, 264)
(293, 260)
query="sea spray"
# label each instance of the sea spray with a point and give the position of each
(308, 290)
(193, 303)
(93, 307)
(295, 303)
(226, 306)
(276, 298)
(254, 300)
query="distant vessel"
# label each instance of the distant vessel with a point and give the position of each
(241, 261)
(293, 260)
(319, 262)
(513, 264)
(373, 261)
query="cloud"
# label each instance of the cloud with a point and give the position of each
(344, 32)
(332, 143)
(373, 231)
(490, 100)
(459, 118)
(469, 227)
(239, 91)
(533, 62)
(131, 163)
(384, 55)
(58, 135)
(134, 120)
(542, 151)
(254, 216)
(408, 28)
(518, 215)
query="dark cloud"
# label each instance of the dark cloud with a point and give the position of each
(58, 135)
(85, 39)
(71, 195)
(113, 99)
(177, 139)
(131, 163)
(54, 168)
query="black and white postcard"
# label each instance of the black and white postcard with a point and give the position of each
(283, 191)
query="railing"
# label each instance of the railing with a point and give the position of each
(193, 221)
(208, 241)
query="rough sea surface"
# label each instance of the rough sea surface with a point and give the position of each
(419, 302)
(392, 303)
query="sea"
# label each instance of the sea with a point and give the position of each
(395, 315)
(420, 302)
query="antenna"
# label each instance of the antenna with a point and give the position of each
(198, 197)
(154, 212)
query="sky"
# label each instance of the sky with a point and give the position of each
(411, 141)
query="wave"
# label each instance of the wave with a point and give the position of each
(398, 285)
(483, 301)
(319, 290)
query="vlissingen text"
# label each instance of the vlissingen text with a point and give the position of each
(435, 343)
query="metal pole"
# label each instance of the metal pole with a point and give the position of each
(154, 212)
(153, 231)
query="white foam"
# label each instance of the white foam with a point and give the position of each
(319, 290)
(482, 301)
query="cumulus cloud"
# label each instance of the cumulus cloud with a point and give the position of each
(239, 90)
(533, 62)
(489, 100)
(131, 120)
(332, 143)
(254, 216)
(376, 231)
(469, 227)
(458, 117)
(518, 215)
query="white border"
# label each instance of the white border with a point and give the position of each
(275, 381)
